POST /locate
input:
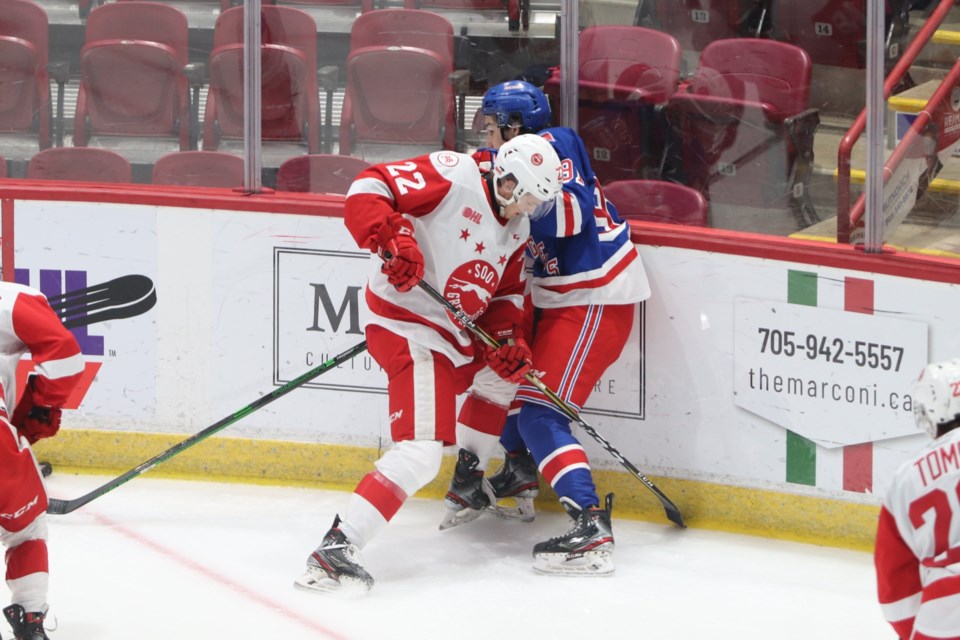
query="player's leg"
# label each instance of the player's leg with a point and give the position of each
(422, 401)
(517, 476)
(23, 501)
(479, 424)
(576, 346)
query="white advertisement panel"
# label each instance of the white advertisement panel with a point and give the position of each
(299, 289)
(97, 264)
(245, 302)
(833, 377)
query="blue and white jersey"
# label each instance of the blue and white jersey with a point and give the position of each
(581, 250)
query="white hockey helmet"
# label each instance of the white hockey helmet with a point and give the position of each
(936, 396)
(531, 161)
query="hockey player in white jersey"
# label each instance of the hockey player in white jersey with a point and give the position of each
(28, 324)
(918, 537)
(587, 280)
(435, 218)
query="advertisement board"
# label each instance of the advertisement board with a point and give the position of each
(740, 370)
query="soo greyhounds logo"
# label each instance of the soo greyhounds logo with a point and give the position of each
(123, 297)
(470, 288)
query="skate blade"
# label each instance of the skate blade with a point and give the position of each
(324, 584)
(453, 518)
(524, 511)
(589, 564)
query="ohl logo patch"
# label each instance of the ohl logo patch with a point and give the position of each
(79, 306)
(470, 288)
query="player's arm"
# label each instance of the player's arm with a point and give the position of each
(381, 194)
(898, 576)
(374, 209)
(503, 320)
(58, 365)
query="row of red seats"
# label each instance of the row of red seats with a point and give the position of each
(313, 173)
(739, 130)
(516, 12)
(650, 200)
(833, 32)
(400, 80)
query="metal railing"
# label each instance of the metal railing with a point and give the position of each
(845, 220)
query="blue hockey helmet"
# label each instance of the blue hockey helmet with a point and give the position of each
(517, 100)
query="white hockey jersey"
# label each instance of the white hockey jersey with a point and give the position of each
(472, 256)
(28, 324)
(918, 543)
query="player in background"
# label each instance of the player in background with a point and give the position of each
(28, 324)
(918, 537)
(435, 218)
(587, 281)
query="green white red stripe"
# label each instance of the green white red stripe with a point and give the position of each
(801, 452)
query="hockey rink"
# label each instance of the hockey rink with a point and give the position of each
(160, 559)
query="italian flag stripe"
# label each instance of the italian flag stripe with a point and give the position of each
(801, 452)
(858, 458)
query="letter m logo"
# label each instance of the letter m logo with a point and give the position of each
(348, 310)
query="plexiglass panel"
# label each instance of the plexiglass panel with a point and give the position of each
(160, 85)
(732, 114)
(758, 106)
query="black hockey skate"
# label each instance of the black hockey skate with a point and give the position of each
(586, 549)
(335, 566)
(516, 479)
(26, 626)
(468, 495)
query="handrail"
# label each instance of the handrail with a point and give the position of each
(845, 150)
(912, 138)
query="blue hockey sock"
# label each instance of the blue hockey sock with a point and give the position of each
(546, 432)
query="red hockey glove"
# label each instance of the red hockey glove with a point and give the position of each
(512, 360)
(402, 258)
(34, 421)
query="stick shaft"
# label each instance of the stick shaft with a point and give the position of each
(66, 506)
(673, 513)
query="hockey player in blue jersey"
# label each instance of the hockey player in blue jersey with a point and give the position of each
(587, 280)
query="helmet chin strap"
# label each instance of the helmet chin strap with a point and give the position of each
(503, 202)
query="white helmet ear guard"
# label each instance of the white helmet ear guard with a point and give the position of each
(936, 396)
(532, 163)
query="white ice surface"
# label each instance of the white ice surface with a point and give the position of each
(161, 559)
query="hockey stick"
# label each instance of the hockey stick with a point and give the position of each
(673, 513)
(122, 297)
(59, 507)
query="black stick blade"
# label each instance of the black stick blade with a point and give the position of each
(58, 507)
(673, 515)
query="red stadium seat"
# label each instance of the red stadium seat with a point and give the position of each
(399, 97)
(83, 164)
(742, 129)
(658, 201)
(25, 107)
(834, 32)
(290, 100)
(319, 173)
(199, 169)
(625, 72)
(132, 83)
